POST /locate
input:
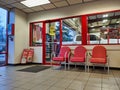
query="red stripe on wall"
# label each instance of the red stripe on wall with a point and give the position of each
(43, 41)
(84, 23)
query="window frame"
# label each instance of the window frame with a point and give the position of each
(84, 27)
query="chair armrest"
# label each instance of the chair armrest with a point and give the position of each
(108, 58)
(67, 54)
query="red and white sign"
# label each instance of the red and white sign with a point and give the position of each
(27, 56)
(30, 55)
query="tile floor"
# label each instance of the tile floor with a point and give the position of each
(49, 79)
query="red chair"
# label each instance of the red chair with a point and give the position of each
(99, 56)
(79, 56)
(63, 56)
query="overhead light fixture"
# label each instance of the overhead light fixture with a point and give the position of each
(92, 26)
(33, 3)
(104, 21)
(105, 15)
(93, 29)
(103, 26)
(118, 22)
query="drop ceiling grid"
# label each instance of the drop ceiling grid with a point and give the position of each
(19, 5)
(48, 6)
(61, 4)
(71, 2)
(52, 5)
(10, 1)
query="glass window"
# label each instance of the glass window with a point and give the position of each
(3, 25)
(52, 39)
(71, 31)
(104, 28)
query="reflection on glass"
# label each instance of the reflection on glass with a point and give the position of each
(2, 59)
(3, 23)
(104, 28)
(52, 39)
(37, 34)
(71, 29)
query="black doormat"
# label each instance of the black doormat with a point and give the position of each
(34, 69)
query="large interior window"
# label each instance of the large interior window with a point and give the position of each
(71, 31)
(104, 28)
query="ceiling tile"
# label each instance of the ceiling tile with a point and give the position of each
(61, 4)
(27, 10)
(99, 16)
(48, 6)
(19, 0)
(110, 14)
(8, 1)
(2, 3)
(55, 1)
(88, 0)
(113, 20)
(8, 6)
(74, 1)
(117, 13)
(19, 5)
(38, 8)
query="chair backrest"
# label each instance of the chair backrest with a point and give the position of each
(80, 51)
(99, 52)
(64, 51)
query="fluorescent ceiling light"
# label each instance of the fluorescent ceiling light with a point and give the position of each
(105, 15)
(103, 26)
(93, 29)
(118, 22)
(92, 26)
(33, 3)
(104, 21)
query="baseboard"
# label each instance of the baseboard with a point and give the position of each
(99, 67)
(19, 64)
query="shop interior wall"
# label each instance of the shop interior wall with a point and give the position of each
(11, 52)
(82, 9)
(79, 9)
(21, 37)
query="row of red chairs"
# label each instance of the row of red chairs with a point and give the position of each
(98, 56)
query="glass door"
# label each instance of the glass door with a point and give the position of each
(52, 40)
(3, 37)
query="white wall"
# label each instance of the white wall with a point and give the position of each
(21, 37)
(11, 50)
(11, 42)
(81, 9)
(37, 54)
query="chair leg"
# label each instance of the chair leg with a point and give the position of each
(75, 65)
(104, 67)
(65, 65)
(51, 65)
(93, 67)
(108, 67)
(88, 67)
(68, 66)
(85, 67)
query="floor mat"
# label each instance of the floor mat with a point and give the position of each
(34, 69)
